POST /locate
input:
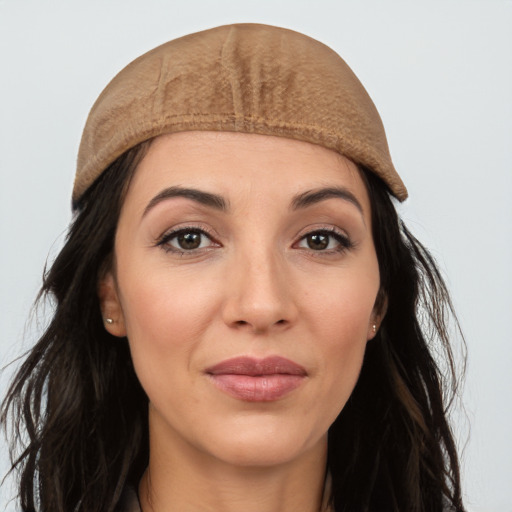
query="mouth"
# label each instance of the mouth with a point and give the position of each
(257, 380)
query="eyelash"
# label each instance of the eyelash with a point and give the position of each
(344, 242)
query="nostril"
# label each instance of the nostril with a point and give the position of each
(281, 321)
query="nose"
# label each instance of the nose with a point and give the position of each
(259, 296)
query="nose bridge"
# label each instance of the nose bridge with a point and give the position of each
(259, 293)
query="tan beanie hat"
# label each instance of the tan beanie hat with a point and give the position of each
(247, 78)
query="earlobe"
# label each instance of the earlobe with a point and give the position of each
(373, 328)
(111, 311)
(379, 312)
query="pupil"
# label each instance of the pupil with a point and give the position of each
(189, 240)
(318, 242)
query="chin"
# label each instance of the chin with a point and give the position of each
(261, 455)
(264, 444)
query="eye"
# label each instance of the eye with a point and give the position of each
(325, 240)
(186, 240)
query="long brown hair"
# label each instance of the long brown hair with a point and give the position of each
(79, 415)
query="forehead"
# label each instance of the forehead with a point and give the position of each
(244, 166)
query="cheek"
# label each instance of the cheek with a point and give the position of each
(165, 314)
(342, 316)
(341, 307)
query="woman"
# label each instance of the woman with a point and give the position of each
(241, 321)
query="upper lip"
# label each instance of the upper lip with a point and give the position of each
(253, 366)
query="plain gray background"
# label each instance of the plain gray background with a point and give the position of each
(440, 74)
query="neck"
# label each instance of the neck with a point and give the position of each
(189, 480)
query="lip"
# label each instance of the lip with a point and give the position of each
(257, 380)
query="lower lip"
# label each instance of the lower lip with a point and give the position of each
(261, 388)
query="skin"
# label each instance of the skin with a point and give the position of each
(254, 287)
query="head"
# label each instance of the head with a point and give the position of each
(218, 131)
(238, 207)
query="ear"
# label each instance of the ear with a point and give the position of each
(111, 311)
(378, 314)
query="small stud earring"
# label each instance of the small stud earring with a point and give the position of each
(109, 321)
(374, 327)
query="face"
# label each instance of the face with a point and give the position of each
(245, 279)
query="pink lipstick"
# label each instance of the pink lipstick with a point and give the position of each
(257, 380)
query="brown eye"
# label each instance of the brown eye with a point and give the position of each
(184, 240)
(317, 241)
(325, 241)
(189, 240)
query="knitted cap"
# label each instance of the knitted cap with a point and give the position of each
(246, 78)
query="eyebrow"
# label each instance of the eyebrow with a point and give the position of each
(217, 202)
(312, 197)
(206, 198)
